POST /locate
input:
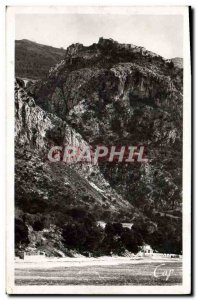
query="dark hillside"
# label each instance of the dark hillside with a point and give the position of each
(33, 60)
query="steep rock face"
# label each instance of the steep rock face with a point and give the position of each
(123, 95)
(83, 64)
(54, 184)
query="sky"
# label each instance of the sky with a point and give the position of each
(162, 34)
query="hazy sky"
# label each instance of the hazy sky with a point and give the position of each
(162, 34)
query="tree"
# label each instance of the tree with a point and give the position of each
(21, 234)
(130, 240)
(38, 225)
(83, 235)
(74, 235)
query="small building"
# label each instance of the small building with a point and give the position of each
(34, 255)
(145, 250)
(101, 224)
(124, 225)
(127, 225)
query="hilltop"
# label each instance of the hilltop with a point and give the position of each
(33, 60)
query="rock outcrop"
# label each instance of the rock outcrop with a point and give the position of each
(36, 131)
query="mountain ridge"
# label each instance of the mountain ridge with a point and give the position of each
(41, 63)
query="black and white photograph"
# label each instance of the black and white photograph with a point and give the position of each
(99, 163)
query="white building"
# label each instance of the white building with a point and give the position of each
(124, 225)
(34, 256)
(145, 250)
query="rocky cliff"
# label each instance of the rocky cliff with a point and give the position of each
(36, 131)
(109, 94)
(121, 94)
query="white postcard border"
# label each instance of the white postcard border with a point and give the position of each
(185, 288)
